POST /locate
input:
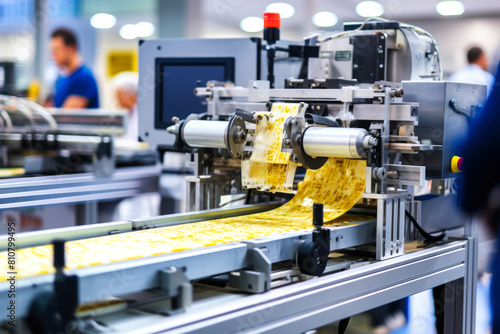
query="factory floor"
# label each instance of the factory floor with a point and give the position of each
(421, 315)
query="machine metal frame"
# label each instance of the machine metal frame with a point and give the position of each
(279, 300)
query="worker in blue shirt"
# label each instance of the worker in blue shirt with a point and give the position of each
(481, 182)
(76, 86)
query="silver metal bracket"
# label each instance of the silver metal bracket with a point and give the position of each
(176, 285)
(391, 220)
(257, 279)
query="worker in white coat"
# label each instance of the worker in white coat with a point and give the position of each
(125, 85)
(476, 72)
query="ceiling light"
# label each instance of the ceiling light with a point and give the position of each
(324, 19)
(103, 21)
(452, 7)
(285, 10)
(252, 24)
(369, 9)
(145, 29)
(128, 31)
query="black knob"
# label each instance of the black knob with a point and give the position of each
(59, 253)
(318, 215)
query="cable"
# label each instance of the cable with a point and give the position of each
(401, 25)
(343, 325)
(28, 109)
(350, 32)
(424, 32)
(7, 120)
(41, 111)
(25, 111)
(419, 228)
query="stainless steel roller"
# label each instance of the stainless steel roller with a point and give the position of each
(211, 134)
(337, 142)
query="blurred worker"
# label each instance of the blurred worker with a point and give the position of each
(125, 85)
(481, 182)
(75, 86)
(476, 71)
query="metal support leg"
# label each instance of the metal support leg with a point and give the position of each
(470, 285)
(87, 213)
(458, 299)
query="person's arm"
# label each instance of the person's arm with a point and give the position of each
(49, 101)
(75, 101)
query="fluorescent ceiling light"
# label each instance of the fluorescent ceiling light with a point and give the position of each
(252, 24)
(369, 9)
(448, 8)
(324, 19)
(128, 31)
(285, 10)
(103, 21)
(145, 29)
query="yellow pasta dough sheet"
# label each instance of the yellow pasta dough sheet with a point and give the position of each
(339, 184)
(269, 169)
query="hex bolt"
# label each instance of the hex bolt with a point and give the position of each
(393, 174)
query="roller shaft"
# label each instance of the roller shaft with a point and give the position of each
(335, 142)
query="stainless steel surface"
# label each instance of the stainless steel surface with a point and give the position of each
(408, 55)
(407, 175)
(346, 94)
(391, 221)
(211, 134)
(334, 142)
(44, 237)
(119, 278)
(412, 147)
(97, 282)
(99, 121)
(304, 306)
(82, 144)
(190, 217)
(386, 130)
(236, 136)
(375, 112)
(24, 192)
(438, 124)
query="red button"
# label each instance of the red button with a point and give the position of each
(457, 164)
(272, 20)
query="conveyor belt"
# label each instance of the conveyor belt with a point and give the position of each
(339, 185)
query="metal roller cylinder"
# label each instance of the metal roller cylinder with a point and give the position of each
(337, 142)
(209, 134)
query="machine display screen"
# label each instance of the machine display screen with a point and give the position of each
(176, 80)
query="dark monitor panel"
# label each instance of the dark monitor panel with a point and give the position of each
(176, 79)
(170, 69)
(7, 78)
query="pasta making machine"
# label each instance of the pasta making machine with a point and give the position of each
(357, 100)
